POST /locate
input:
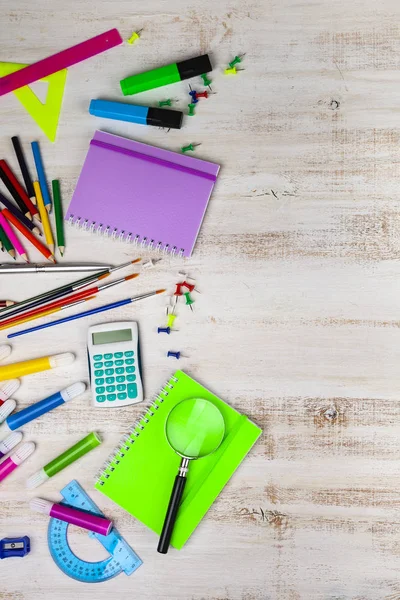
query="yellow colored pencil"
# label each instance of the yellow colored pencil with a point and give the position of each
(44, 215)
(45, 313)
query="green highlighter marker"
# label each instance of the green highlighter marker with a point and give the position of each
(66, 458)
(166, 75)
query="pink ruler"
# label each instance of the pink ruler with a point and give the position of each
(61, 60)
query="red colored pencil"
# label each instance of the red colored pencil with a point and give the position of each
(62, 302)
(30, 207)
(28, 234)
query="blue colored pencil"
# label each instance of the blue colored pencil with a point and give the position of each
(41, 176)
(86, 313)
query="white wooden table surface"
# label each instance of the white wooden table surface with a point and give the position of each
(298, 321)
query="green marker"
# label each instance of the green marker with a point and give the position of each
(66, 458)
(166, 75)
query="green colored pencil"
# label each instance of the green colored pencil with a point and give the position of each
(58, 215)
(5, 240)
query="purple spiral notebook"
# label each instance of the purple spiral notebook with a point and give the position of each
(142, 194)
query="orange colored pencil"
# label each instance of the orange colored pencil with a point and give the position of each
(28, 234)
(36, 313)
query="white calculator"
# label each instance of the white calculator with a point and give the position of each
(114, 364)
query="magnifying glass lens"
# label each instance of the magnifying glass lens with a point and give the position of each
(195, 428)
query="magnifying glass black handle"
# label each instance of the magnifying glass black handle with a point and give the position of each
(172, 511)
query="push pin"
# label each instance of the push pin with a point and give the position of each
(232, 71)
(15, 547)
(204, 94)
(190, 286)
(178, 292)
(206, 81)
(150, 263)
(193, 95)
(190, 148)
(168, 303)
(135, 36)
(170, 320)
(176, 355)
(236, 60)
(191, 112)
(189, 300)
(164, 330)
(165, 102)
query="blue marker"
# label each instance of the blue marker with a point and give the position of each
(41, 175)
(133, 113)
(34, 411)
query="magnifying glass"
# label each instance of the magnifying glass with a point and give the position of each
(194, 429)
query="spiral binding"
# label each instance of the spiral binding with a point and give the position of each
(114, 234)
(127, 440)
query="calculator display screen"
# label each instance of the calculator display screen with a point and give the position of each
(109, 337)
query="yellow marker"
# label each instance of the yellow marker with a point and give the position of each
(44, 215)
(34, 366)
(171, 319)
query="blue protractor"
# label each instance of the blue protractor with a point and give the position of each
(122, 558)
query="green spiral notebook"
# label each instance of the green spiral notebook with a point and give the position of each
(140, 474)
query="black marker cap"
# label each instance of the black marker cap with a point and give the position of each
(194, 66)
(161, 117)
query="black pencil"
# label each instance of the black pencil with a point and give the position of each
(18, 214)
(24, 168)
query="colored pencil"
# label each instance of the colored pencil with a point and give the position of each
(44, 215)
(19, 215)
(58, 214)
(86, 313)
(28, 234)
(36, 313)
(17, 191)
(41, 176)
(6, 243)
(24, 168)
(12, 237)
(51, 311)
(54, 293)
(6, 302)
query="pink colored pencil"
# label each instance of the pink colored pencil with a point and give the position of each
(13, 238)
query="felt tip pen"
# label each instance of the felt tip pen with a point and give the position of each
(7, 389)
(10, 442)
(34, 411)
(166, 75)
(63, 460)
(28, 367)
(133, 113)
(73, 516)
(10, 464)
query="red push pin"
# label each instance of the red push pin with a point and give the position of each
(202, 94)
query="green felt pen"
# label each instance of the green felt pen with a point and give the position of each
(63, 460)
(166, 75)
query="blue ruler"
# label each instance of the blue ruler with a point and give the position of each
(122, 557)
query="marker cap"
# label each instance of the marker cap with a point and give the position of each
(61, 360)
(8, 389)
(6, 409)
(22, 453)
(73, 391)
(10, 442)
(194, 66)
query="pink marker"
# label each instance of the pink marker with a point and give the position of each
(10, 464)
(72, 516)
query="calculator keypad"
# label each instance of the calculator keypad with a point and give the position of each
(119, 369)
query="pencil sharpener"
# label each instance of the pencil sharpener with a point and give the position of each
(15, 547)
